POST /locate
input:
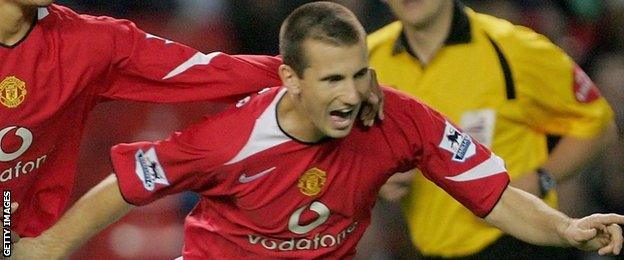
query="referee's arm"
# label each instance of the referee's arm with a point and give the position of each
(568, 156)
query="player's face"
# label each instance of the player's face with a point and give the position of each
(417, 13)
(334, 85)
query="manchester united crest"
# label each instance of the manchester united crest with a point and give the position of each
(312, 181)
(12, 92)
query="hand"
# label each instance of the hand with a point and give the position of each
(596, 232)
(528, 182)
(373, 107)
(397, 186)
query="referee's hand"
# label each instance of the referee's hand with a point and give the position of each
(397, 186)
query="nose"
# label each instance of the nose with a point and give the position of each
(351, 94)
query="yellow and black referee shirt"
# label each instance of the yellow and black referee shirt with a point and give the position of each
(505, 85)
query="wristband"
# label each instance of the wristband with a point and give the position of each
(546, 182)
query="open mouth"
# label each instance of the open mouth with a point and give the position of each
(342, 113)
(342, 117)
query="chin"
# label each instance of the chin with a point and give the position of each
(339, 133)
(416, 21)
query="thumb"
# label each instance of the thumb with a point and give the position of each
(582, 235)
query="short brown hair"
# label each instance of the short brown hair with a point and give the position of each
(324, 21)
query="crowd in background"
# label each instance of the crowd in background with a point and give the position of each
(591, 31)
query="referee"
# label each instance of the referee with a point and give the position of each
(507, 86)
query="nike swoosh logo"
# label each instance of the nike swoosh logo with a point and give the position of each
(244, 179)
(492, 166)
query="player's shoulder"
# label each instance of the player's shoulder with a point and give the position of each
(224, 134)
(256, 103)
(384, 36)
(236, 120)
(400, 105)
(252, 106)
(61, 12)
(392, 96)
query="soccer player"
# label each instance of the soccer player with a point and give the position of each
(506, 86)
(290, 173)
(57, 65)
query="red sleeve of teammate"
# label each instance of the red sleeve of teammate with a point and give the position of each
(453, 160)
(147, 171)
(149, 68)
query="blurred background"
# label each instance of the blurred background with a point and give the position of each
(591, 31)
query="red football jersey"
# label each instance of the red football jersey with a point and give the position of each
(67, 63)
(264, 194)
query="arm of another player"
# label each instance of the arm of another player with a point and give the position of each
(566, 159)
(145, 67)
(524, 216)
(97, 209)
(148, 68)
(373, 107)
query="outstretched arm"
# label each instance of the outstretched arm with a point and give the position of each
(97, 209)
(524, 216)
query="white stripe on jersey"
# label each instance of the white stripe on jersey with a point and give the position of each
(197, 59)
(492, 166)
(151, 36)
(42, 12)
(265, 134)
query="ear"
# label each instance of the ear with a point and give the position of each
(289, 79)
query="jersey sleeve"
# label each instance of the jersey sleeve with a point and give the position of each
(145, 67)
(147, 171)
(557, 96)
(453, 160)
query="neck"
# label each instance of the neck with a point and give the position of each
(293, 120)
(15, 21)
(426, 39)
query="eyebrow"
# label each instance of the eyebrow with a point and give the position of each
(332, 77)
(339, 77)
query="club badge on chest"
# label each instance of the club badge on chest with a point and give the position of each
(312, 181)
